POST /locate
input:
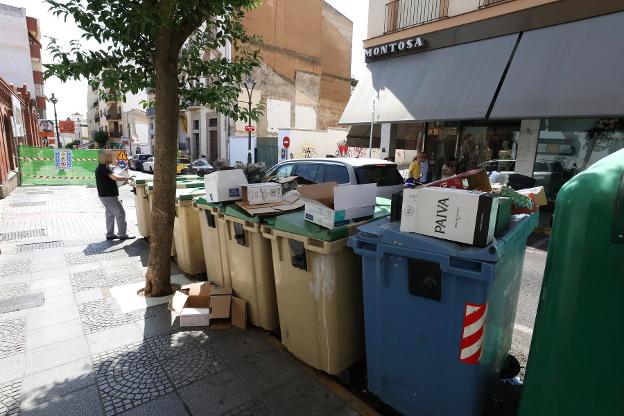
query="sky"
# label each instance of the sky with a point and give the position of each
(72, 95)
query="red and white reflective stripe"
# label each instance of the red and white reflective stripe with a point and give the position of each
(473, 331)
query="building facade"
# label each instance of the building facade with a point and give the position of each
(20, 40)
(304, 80)
(113, 116)
(524, 86)
(18, 126)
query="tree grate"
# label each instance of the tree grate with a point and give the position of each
(39, 246)
(27, 204)
(20, 235)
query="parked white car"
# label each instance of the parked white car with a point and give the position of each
(148, 165)
(351, 171)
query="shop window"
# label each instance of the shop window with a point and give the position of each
(567, 147)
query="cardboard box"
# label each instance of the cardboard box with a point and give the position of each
(452, 214)
(538, 194)
(224, 185)
(291, 201)
(203, 304)
(261, 193)
(473, 180)
(330, 205)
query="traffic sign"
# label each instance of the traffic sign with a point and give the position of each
(286, 142)
(250, 129)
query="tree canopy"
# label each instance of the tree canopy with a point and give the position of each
(128, 31)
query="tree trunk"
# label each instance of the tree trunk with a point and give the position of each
(157, 279)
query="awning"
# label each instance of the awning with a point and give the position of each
(359, 135)
(570, 70)
(454, 83)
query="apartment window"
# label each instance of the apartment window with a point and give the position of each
(212, 122)
(196, 150)
(195, 124)
(214, 145)
(151, 126)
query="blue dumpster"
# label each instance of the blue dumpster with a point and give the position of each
(438, 315)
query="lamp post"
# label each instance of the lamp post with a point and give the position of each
(250, 84)
(54, 100)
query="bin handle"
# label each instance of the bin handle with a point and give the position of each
(366, 248)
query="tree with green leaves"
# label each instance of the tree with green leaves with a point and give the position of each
(101, 138)
(162, 46)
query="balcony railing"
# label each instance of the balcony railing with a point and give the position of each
(401, 14)
(486, 3)
(114, 134)
(113, 115)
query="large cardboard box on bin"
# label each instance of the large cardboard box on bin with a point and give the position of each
(224, 185)
(451, 214)
(476, 179)
(331, 205)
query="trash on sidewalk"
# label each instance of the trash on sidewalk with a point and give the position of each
(224, 185)
(451, 214)
(204, 304)
(331, 205)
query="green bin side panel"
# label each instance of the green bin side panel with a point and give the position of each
(576, 361)
(37, 167)
(296, 223)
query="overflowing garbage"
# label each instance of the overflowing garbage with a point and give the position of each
(330, 269)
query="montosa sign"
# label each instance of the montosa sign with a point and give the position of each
(399, 47)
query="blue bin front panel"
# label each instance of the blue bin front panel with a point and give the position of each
(413, 343)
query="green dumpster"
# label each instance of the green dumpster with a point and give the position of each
(576, 362)
(318, 281)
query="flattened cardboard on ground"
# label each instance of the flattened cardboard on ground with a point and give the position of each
(239, 313)
(451, 214)
(331, 205)
(473, 180)
(224, 185)
(261, 193)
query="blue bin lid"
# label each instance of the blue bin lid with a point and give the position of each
(520, 228)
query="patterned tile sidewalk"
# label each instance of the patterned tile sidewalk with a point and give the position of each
(67, 348)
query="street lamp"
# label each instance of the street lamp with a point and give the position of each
(54, 100)
(250, 84)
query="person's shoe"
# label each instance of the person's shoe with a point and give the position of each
(126, 237)
(112, 237)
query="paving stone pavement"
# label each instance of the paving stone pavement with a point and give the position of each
(79, 353)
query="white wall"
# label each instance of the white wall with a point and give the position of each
(238, 149)
(376, 17)
(462, 6)
(133, 101)
(305, 117)
(278, 115)
(15, 64)
(311, 143)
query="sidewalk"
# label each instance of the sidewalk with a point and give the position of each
(72, 344)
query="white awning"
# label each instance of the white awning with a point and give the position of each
(454, 83)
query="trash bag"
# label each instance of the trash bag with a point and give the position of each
(517, 181)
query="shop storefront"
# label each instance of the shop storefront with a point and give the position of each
(545, 103)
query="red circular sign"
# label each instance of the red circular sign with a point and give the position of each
(286, 142)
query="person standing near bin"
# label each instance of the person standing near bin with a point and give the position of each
(108, 192)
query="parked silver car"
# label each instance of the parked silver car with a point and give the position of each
(343, 171)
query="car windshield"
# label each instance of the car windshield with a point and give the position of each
(184, 161)
(542, 167)
(382, 175)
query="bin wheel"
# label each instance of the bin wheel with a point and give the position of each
(511, 368)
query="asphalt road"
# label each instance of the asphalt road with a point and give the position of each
(534, 264)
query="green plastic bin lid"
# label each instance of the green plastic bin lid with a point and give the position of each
(189, 184)
(235, 211)
(295, 223)
(189, 193)
(205, 203)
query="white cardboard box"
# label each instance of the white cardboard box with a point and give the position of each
(224, 185)
(261, 193)
(195, 317)
(330, 205)
(452, 214)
